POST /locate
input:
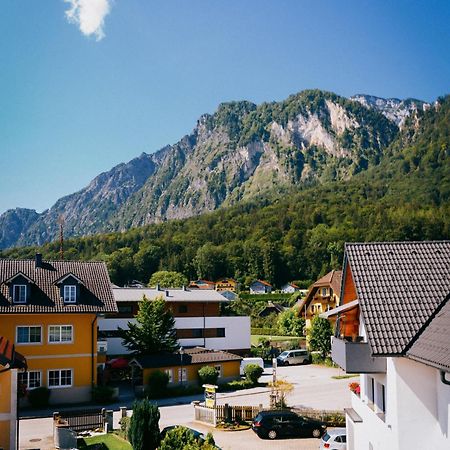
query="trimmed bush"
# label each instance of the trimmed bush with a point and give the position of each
(124, 425)
(39, 397)
(102, 394)
(143, 431)
(253, 372)
(157, 384)
(208, 375)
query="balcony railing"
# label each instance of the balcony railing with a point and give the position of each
(355, 357)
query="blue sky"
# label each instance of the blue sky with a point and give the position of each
(74, 103)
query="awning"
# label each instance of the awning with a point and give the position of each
(9, 358)
(353, 415)
(339, 309)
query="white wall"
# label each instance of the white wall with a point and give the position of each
(417, 409)
(237, 332)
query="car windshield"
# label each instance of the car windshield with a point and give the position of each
(326, 437)
(282, 355)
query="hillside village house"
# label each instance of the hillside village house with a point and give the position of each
(393, 328)
(227, 284)
(184, 367)
(198, 320)
(260, 287)
(49, 310)
(322, 296)
(202, 284)
(10, 363)
(289, 288)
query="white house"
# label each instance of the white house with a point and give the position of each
(289, 288)
(260, 287)
(197, 314)
(393, 328)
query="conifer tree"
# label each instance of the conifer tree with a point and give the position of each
(143, 431)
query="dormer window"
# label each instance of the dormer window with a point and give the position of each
(19, 293)
(70, 294)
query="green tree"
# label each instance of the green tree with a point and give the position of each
(253, 372)
(320, 335)
(143, 430)
(168, 279)
(208, 375)
(210, 262)
(290, 324)
(154, 331)
(181, 438)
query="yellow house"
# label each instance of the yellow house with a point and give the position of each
(322, 296)
(49, 310)
(227, 284)
(184, 367)
(10, 363)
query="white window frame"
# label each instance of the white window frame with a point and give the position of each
(18, 300)
(182, 375)
(60, 334)
(27, 326)
(68, 297)
(59, 378)
(27, 375)
(169, 373)
(218, 367)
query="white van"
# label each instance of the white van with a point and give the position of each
(246, 361)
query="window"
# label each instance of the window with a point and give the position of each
(182, 374)
(324, 292)
(218, 368)
(125, 309)
(220, 332)
(182, 309)
(169, 373)
(60, 378)
(30, 379)
(60, 333)
(70, 294)
(197, 332)
(19, 293)
(29, 335)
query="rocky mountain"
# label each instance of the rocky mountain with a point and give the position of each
(240, 152)
(394, 109)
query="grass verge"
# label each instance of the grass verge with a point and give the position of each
(108, 441)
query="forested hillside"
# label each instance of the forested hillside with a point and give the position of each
(301, 234)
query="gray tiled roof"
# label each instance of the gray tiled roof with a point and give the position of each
(169, 295)
(399, 285)
(95, 292)
(433, 346)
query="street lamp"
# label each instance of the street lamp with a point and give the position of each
(181, 364)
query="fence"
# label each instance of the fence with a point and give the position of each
(82, 420)
(226, 413)
(204, 414)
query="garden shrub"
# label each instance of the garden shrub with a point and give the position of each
(124, 423)
(253, 372)
(208, 375)
(39, 397)
(143, 430)
(102, 394)
(157, 384)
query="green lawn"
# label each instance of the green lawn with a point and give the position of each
(112, 442)
(255, 338)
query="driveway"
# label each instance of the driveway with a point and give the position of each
(313, 387)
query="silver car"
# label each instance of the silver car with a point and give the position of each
(334, 439)
(290, 357)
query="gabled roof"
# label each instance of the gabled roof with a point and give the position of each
(196, 355)
(432, 347)
(68, 275)
(400, 287)
(265, 283)
(18, 274)
(45, 297)
(332, 279)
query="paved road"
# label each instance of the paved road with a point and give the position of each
(313, 387)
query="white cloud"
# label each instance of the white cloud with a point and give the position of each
(89, 16)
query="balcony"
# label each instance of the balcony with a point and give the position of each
(355, 357)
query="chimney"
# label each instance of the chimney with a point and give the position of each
(167, 294)
(157, 287)
(38, 260)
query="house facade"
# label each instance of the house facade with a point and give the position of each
(322, 296)
(49, 310)
(10, 363)
(290, 288)
(197, 314)
(227, 284)
(393, 328)
(260, 287)
(183, 368)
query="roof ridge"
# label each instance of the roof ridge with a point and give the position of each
(442, 241)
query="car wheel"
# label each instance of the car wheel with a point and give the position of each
(286, 363)
(272, 434)
(316, 433)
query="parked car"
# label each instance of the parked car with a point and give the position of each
(279, 423)
(291, 357)
(335, 439)
(246, 361)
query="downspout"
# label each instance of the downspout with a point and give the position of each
(92, 350)
(443, 379)
(204, 327)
